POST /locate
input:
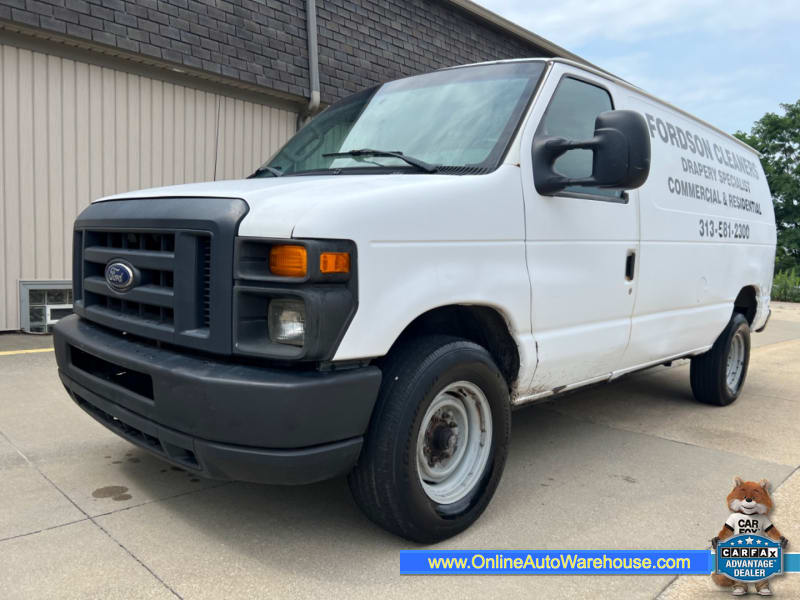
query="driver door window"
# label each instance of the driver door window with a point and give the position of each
(571, 114)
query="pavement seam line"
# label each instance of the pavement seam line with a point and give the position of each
(136, 558)
(666, 439)
(113, 512)
(784, 480)
(666, 587)
(771, 344)
(21, 535)
(89, 517)
(770, 397)
(157, 500)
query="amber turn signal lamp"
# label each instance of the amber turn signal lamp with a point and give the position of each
(288, 261)
(334, 262)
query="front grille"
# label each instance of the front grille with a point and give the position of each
(152, 301)
(153, 255)
(180, 251)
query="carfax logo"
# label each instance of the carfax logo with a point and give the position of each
(748, 547)
(749, 558)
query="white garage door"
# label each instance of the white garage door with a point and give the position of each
(72, 131)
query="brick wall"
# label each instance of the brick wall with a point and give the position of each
(363, 42)
(263, 42)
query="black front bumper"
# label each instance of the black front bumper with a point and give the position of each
(220, 419)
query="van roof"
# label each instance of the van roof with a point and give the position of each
(619, 81)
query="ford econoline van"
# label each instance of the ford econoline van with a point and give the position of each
(416, 261)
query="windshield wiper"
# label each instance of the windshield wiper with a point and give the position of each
(261, 170)
(414, 162)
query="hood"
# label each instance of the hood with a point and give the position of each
(277, 204)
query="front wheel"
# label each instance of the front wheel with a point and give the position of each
(718, 375)
(437, 442)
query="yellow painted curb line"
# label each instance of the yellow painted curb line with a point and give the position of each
(33, 351)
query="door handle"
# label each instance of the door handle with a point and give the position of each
(630, 265)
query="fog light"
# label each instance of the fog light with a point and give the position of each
(287, 321)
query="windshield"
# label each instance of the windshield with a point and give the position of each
(458, 118)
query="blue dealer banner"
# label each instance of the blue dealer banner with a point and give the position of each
(746, 561)
(749, 558)
(556, 562)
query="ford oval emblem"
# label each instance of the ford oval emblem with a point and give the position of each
(119, 276)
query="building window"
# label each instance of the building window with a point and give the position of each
(43, 303)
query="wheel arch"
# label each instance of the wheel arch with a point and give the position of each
(484, 325)
(746, 303)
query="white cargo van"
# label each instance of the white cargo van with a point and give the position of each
(419, 259)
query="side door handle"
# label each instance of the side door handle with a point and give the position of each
(630, 265)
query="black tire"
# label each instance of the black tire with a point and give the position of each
(385, 482)
(708, 371)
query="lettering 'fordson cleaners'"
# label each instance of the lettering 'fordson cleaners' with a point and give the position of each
(417, 260)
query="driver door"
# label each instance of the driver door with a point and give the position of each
(581, 244)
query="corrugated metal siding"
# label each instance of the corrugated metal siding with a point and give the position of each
(71, 132)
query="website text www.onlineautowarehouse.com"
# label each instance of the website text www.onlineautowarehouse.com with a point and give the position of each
(564, 562)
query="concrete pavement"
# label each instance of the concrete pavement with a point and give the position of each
(633, 464)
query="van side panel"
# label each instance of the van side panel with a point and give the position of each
(707, 230)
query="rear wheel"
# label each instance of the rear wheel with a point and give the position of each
(437, 442)
(718, 375)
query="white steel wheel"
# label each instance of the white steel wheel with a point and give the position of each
(435, 449)
(454, 442)
(734, 366)
(718, 376)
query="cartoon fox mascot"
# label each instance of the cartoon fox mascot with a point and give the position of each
(750, 503)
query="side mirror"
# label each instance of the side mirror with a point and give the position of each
(621, 147)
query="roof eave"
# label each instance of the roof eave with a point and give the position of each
(502, 23)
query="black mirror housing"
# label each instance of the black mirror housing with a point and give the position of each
(621, 149)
